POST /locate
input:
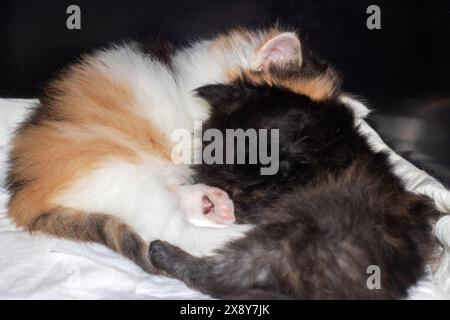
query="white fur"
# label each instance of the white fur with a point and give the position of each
(360, 110)
(139, 196)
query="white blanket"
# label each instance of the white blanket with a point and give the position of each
(40, 267)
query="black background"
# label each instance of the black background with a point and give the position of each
(403, 70)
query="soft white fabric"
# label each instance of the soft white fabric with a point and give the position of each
(40, 267)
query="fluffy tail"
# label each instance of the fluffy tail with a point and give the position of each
(95, 227)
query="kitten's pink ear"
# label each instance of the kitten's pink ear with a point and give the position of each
(281, 49)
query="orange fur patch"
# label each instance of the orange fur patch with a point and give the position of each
(91, 118)
(317, 88)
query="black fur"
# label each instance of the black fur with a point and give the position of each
(158, 49)
(333, 209)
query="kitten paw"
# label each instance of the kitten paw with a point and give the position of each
(218, 207)
(159, 256)
(165, 257)
(207, 206)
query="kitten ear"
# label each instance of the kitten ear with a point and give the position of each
(281, 49)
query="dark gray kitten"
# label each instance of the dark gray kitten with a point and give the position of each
(334, 209)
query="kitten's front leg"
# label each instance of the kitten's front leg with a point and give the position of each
(225, 276)
(206, 206)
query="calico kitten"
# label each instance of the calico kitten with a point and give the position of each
(94, 160)
(333, 210)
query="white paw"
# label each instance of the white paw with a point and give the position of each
(207, 206)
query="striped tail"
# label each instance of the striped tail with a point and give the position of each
(95, 227)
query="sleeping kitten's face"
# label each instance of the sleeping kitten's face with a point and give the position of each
(300, 121)
(245, 105)
(310, 141)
